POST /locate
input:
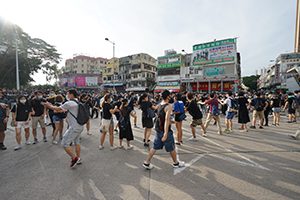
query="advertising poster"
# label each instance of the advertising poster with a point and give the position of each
(214, 52)
(91, 81)
(80, 81)
(63, 82)
(213, 71)
(71, 82)
(169, 61)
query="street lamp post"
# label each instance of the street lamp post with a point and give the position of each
(114, 88)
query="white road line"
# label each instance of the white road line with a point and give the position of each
(253, 164)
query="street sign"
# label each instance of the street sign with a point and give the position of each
(236, 81)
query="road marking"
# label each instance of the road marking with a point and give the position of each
(253, 164)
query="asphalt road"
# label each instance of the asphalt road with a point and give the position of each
(259, 164)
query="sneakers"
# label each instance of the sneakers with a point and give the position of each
(227, 131)
(230, 130)
(220, 133)
(18, 147)
(28, 143)
(289, 122)
(61, 137)
(54, 142)
(2, 146)
(292, 137)
(192, 139)
(148, 166)
(101, 147)
(146, 144)
(113, 148)
(74, 162)
(135, 126)
(45, 139)
(88, 133)
(178, 164)
(261, 127)
(130, 147)
(79, 161)
(204, 135)
(35, 141)
(252, 127)
(120, 147)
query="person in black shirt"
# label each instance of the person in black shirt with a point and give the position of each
(276, 105)
(85, 99)
(147, 122)
(51, 99)
(132, 104)
(117, 103)
(195, 112)
(107, 122)
(291, 111)
(21, 113)
(38, 113)
(127, 133)
(4, 114)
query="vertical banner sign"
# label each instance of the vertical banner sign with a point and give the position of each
(222, 51)
(71, 82)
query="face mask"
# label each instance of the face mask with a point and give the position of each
(111, 100)
(23, 101)
(40, 97)
(51, 95)
(133, 96)
(67, 98)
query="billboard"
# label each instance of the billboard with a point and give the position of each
(213, 71)
(169, 61)
(80, 81)
(63, 82)
(221, 51)
(91, 81)
(71, 82)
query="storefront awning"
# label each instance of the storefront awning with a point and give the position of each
(170, 88)
(111, 85)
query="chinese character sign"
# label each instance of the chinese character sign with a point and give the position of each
(214, 52)
(80, 81)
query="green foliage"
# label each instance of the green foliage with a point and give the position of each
(34, 54)
(251, 81)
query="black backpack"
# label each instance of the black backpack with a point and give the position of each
(83, 115)
(258, 105)
(122, 123)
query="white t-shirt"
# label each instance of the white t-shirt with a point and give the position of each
(228, 102)
(72, 107)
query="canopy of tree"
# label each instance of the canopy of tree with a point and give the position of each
(251, 81)
(33, 54)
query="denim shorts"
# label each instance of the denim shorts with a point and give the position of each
(230, 115)
(111, 122)
(71, 135)
(56, 119)
(276, 110)
(169, 143)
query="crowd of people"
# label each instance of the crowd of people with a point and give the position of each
(159, 111)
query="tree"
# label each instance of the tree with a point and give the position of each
(33, 54)
(251, 81)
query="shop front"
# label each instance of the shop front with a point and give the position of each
(213, 86)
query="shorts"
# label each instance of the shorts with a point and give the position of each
(230, 115)
(169, 143)
(259, 114)
(56, 119)
(276, 110)
(291, 111)
(71, 135)
(177, 117)
(196, 122)
(21, 124)
(111, 122)
(3, 126)
(36, 120)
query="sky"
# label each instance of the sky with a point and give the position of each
(264, 29)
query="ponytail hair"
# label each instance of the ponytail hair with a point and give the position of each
(122, 107)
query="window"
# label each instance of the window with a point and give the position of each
(143, 74)
(148, 67)
(145, 57)
(75, 71)
(135, 76)
(143, 84)
(81, 60)
(82, 71)
(174, 71)
(138, 66)
(108, 70)
(109, 78)
(134, 57)
(82, 65)
(104, 62)
(101, 61)
(105, 70)
(148, 75)
(104, 78)
(138, 56)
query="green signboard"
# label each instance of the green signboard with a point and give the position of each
(169, 61)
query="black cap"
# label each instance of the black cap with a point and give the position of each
(165, 94)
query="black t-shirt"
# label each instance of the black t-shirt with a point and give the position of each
(116, 103)
(184, 100)
(22, 111)
(37, 107)
(276, 102)
(144, 106)
(290, 100)
(106, 113)
(194, 110)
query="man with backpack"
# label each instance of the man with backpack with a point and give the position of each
(260, 105)
(291, 105)
(214, 111)
(232, 108)
(74, 108)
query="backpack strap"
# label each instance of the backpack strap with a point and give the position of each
(70, 111)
